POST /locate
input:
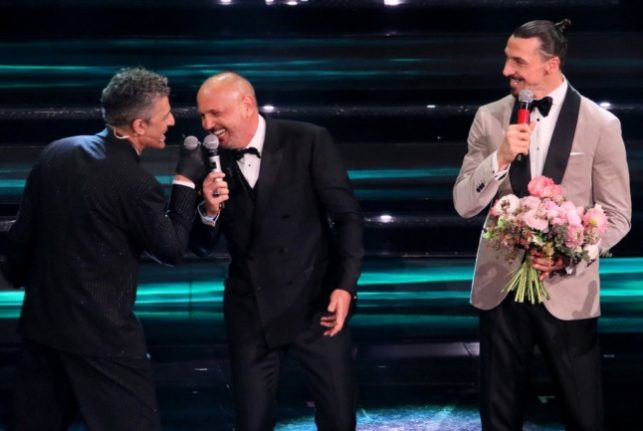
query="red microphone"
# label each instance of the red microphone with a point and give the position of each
(525, 99)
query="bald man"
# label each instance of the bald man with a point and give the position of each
(292, 279)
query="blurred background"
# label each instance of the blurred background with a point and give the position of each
(397, 83)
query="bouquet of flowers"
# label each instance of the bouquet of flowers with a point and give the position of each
(544, 224)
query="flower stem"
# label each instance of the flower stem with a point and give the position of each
(526, 281)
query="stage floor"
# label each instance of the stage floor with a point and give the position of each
(416, 350)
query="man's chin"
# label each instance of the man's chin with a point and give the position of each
(515, 89)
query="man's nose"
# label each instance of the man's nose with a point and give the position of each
(207, 123)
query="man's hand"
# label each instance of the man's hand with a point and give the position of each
(191, 164)
(546, 265)
(215, 192)
(516, 142)
(340, 302)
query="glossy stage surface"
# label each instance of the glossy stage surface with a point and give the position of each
(416, 350)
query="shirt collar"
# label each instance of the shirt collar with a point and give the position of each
(259, 136)
(558, 95)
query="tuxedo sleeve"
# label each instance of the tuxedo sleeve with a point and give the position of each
(336, 196)
(204, 238)
(163, 229)
(476, 185)
(611, 183)
(21, 237)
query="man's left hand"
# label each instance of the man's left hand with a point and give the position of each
(340, 302)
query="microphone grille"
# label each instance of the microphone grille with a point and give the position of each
(211, 142)
(526, 96)
(191, 143)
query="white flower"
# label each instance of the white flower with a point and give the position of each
(506, 205)
(592, 251)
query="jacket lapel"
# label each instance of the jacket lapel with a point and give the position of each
(271, 157)
(563, 137)
(231, 170)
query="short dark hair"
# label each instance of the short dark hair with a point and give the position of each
(129, 95)
(553, 42)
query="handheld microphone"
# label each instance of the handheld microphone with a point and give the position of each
(191, 143)
(525, 99)
(211, 144)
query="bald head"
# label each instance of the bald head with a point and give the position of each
(228, 108)
(229, 82)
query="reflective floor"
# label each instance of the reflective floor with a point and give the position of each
(416, 350)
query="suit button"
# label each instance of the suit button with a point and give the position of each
(283, 250)
(258, 288)
(285, 216)
(251, 256)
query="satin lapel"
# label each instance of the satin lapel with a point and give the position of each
(563, 137)
(231, 170)
(271, 157)
(520, 171)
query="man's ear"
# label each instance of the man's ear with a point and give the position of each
(553, 64)
(138, 126)
(248, 106)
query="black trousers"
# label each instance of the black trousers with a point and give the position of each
(327, 363)
(570, 348)
(110, 394)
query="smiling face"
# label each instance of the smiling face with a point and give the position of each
(150, 131)
(527, 67)
(227, 108)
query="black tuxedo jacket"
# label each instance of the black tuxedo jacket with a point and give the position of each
(88, 212)
(285, 256)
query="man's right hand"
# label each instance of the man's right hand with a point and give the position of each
(215, 192)
(516, 142)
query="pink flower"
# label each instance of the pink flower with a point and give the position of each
(575, 236)
(534, 220)
(530, 202)
(595, 218)
(553, 191)
(538, 184)
(571, 213)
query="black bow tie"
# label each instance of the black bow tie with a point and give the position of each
(238, 154)
(543, 105)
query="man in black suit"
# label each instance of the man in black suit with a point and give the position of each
(89, 210)
(291, 281)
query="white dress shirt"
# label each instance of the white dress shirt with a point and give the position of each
(541, 136)
(249, 164)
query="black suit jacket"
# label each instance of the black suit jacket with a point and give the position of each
(285, 255)
(88, 212)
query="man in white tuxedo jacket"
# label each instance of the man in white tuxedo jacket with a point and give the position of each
(579, 145)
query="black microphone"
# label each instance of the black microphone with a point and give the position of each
(525, 99)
